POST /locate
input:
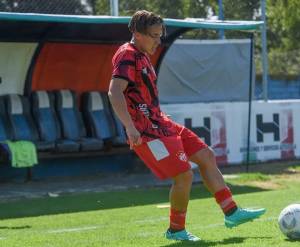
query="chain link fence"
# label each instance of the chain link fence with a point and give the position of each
(66, 7)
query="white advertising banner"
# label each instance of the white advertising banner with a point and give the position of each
(274, 132)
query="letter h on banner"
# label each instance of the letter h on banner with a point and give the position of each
(203, 132)
(267, 127)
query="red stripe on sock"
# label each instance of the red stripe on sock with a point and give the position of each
(177, 219)
(225, 200)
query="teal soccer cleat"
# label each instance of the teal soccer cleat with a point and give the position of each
(243, 215)
(181, 235)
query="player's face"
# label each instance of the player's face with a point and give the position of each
(152, 39)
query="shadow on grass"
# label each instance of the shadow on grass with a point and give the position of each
(14, 227)
(226, 241)
(101, 201)
(293, 240)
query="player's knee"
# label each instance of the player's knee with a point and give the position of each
(189, 176)
(185, 178)
(205, 158)
(210, 154)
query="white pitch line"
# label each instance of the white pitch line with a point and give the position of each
(142, 234)
(151, 220)
(222, 224)
(268, 219)
(76, 229)
(195, 227)
(207, 226)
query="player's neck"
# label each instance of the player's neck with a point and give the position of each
(137, 45)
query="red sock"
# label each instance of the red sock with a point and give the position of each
(224, 199)
(177, 219)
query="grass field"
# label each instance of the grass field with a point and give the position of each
(133, 218)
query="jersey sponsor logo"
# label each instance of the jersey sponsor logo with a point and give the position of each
(182, 156)
(144, 109)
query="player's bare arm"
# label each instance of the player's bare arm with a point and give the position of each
(117, 99)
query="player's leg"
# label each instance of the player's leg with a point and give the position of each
(166, 159)
(214, 180)
(179, 199)
(199, 153)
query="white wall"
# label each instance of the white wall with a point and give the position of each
(15, 60)
(275, 128)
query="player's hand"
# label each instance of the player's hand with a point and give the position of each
(134, 137)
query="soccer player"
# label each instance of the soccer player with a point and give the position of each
(165, 146)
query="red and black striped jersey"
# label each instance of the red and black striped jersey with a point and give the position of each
(141, 93)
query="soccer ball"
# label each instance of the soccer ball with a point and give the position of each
(289, 221)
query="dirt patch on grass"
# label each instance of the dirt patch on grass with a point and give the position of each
(267, 185)
(280, 181)
(280, 174)
(278, 168)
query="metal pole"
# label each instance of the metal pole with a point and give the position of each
(264, 51)
(114, 7)
(221, 17)
(250, 103)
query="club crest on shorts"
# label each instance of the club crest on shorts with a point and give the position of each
(182, 156)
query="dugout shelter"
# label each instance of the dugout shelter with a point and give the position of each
(54, 63)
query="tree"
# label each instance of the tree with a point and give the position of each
(240, 10)
(127, 8)
(71, 7)
(283, 21)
